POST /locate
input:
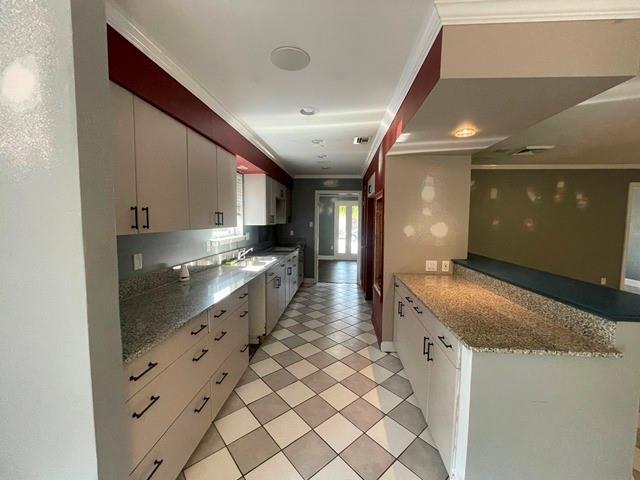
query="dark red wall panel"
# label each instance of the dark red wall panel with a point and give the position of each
(133, 70)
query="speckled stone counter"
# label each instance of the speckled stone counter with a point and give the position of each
(151, 317)
(485, 321)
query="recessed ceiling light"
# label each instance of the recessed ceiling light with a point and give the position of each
(290, 58)
(322, 156)
(325, 167)
(309, 110)
(318, 141)
(465, 132)
(243, 167)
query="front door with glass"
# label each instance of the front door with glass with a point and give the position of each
(346, 230)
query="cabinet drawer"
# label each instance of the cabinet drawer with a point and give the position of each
(221, 310)
(443, 337)
(232, 331)
(156, 406)
(167, 457)
(143, 370)
(227, 376)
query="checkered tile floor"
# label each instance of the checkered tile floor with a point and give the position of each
(320, 401)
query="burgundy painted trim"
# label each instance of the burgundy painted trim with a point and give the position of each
(136, 72)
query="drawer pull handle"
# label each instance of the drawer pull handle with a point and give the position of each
(150, 367)
(197, 359)
(244, 314)
(217, 339)
(417, 310)
(409, 299)
(196, 332)
(135, 211)
(154, 399)
(244, 349)
(156, 466)
(224, 375)
(222, 312)
(243, 296)
(198, 410)
(426, 348)
(446, 345)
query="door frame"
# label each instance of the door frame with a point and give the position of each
(316, 228)
(623, 270)
(352, 255)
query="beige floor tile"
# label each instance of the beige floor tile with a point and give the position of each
(391, 436)
(338, 396)
(287, 428)
(296, 393)
(338, 432)
(220, 466)
(236, 425)
(277, 467)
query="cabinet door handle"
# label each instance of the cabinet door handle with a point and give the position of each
(197, 359)
(243, 296)
(198, 410)
(202, 327)
(224, 375)
(446, 345)
(222, 312)
(150, 366)
(399, 308)
(217, 339)
(244, 314)
(135, 216)
(409, 299)
(244, 349)
(426, 348)
(278, 282)
(156, 466)
(222, 216)
(153, 399)
(146, 213)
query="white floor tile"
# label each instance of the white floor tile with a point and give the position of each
(382, 399)
(310, 335)
(339, 396)
(302, 368)
(338, 336)
(338, 432)
(275, 348)
(339, 371)
(296, 393)
(316, 314)
(376, 373)
(403, 374)
(339, 351)
(252, 391)
(288, 322)
(367, 338)
(236, 425)
(306, 350)
(413, 400)
(398, 471)
(391, 436)
(337, 469)
(313, 324)
(292, 314)
(277, 467)
(220, 466)
(287, 428)
(372, 353)
(281, 334)
(339, 325)
(426, 436)
(265, 367)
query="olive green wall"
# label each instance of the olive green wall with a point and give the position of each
(568, 222)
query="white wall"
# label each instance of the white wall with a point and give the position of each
(60, 340)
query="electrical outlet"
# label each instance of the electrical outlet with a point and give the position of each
(431, 266)
(310, 224)
(137, 261)
(445, 266)
(603, 280)
(291, 233)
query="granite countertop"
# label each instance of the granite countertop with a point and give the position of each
(487, 322)
(151, 317)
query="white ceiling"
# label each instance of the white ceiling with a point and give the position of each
(359, 50)
(602, 130)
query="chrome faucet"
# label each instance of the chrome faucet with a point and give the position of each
(243, 253)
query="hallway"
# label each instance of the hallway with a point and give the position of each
(320, 401)
(337, 271)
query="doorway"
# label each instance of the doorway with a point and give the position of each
(630, 278)
(337, 236)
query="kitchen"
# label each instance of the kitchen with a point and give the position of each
(488, 337)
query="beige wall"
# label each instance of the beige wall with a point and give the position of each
(568, 222)
(426, 217)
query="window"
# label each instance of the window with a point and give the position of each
(231, 233)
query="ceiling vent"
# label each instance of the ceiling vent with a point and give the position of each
(361, 140)
(532, 150)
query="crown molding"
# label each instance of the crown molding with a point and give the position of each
(460, 12)
(134, 34)
(412, 67)
(561, 166)
(327, 176)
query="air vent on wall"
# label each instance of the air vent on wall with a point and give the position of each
(533, 149)
(360, 140)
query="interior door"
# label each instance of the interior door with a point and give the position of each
(346, 230)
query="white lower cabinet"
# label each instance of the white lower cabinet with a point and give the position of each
(169, 413)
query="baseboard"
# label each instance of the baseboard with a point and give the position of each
(326, 257)
(309, 281)
(632, 283)
(387, 347)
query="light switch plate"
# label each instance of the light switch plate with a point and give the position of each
(137, 261)
(431, 266)
(445, 266)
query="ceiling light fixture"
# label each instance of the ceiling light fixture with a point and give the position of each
(322, 156)
(243, 167)
(290, 58)
(317, 141)
(465, 132)
(308, 110)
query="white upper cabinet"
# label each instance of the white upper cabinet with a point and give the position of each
(161, 170)
(124, 160)
(227, 189)
(264, 200)
(203, 181)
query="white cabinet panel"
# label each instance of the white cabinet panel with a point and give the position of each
(124, 160)
(227, 191)
(161, 169)
(203, 181)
